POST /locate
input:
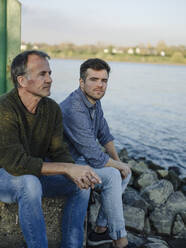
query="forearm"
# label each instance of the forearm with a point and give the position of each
(115, 163)
(111, 150)
(56, 168)
(83, 176)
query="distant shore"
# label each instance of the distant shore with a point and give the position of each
(142, 60)
(159, 54)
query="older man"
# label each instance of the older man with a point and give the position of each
(30, 134)
(84, 124)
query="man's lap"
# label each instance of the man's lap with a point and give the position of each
(52, 186)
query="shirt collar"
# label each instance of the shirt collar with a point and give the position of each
(85, 100)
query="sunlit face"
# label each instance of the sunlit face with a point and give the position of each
(95, 84)
(37, 80)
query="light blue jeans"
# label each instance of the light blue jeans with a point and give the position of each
(27, 191)
(111, 210)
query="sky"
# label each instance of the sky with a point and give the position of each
(110, 22)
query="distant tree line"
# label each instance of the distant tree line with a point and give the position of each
(161, 53)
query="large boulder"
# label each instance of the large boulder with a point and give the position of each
(158, 193)
(138, 168)
(134, 218)
(146, 179)
(161, 220)
(132, 197)
(176, 202)
(179, 228)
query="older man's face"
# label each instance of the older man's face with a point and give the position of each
(37, 78)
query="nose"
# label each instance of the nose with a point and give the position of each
(100, 83)
(49, 78)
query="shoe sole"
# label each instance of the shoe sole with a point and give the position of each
(101, 242)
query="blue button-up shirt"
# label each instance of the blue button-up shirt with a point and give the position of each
(84, 125)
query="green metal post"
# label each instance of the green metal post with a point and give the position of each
(10, 39)
(3, 12)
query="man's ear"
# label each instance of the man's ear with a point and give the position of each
(21, 81)
(81, 83)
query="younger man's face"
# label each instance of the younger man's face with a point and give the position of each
(95, 84)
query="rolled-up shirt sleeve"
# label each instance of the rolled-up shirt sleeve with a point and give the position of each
(79, 131)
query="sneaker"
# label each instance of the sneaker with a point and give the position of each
(95, 239)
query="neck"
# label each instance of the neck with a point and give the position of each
(29, 100)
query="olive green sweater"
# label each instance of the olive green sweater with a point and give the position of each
(27, 139)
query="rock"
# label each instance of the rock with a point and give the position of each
(94, 209)
(162, 173)
(183, 215)
(183, 189)
(139, 168)
(156, 240)
(162, 219)
(147, 227)
(179, 229)
(175, 169)
(134, 218)
(155, 245)
(132, 197)
(146, 179)
(136, 239)
(176, 202)
(184, 180)
(154, 166)
(123, 155)
(175, 180)
(158, 193)
(131, 181)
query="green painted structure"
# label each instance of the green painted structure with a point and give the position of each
(10, 39)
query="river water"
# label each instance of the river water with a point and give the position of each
(145, 106)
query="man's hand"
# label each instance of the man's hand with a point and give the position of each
(122, 167)
(83, 176)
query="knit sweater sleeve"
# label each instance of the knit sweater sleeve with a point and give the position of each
(13, 156)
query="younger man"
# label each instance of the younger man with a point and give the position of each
(84, 124)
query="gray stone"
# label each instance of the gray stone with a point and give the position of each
(155, 245)
(154, 166)
(134, 218)
(147, 227)
(158, 193)
(136, 239)
(139, 168)
(183, 215)
(123, 155)
(183, 189)
(175, 180)
(146, 179)
(162, 173)
(131, 181)
(94, 209)
(132, 197)
(162, 219)
(178, 226)
(176, 202)
(156, 240)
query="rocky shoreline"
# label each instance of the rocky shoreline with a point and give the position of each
(154, 205)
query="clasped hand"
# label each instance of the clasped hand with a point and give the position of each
(84, 176)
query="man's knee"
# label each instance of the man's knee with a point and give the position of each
(31, 186)
(110, 175)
